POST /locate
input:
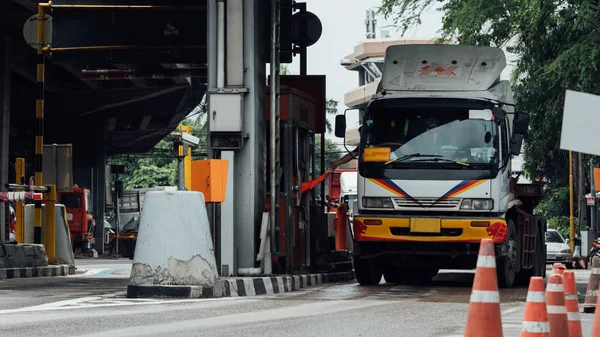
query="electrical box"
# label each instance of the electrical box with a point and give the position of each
(57, 166)
(210, 177)
(225, 112)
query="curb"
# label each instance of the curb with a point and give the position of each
(238, 287)
(26, 272)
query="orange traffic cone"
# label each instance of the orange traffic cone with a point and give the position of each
(591, 295)
(484, 318)
(596, 324)
(557, 268)
(572, 304)
(555, 305)
(535, 320)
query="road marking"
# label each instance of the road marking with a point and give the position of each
(100, 302)
(254, 317)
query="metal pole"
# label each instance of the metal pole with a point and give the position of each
(593, 207)
(20, 207)
(118, 212)
(274, 123)
(4, 127)
(181, 170)
(39, 119)
(571, 219)
(50, 228)
(580, 192)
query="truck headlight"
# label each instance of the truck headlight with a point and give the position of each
(477, 204)
(378, 202)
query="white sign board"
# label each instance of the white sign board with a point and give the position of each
(580, 123)
(30, 30)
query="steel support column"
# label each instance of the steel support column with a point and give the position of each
(248, 167)
(5, 50)
(98, 181)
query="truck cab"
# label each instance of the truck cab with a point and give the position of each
(78, 204)
(434, 169)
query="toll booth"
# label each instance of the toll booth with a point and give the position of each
(302, 233)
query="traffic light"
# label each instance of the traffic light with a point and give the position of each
(285, 35)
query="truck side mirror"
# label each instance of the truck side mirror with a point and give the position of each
(515, 144)
(499, 113)
(340, 126)
(521, 123)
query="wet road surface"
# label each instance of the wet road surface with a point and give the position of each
(97, 307)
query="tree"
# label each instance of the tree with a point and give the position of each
(158, 167)
(557, 48)
(331, 108)
(332, 154)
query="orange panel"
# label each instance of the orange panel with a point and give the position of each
(597, 178)
(210, 177)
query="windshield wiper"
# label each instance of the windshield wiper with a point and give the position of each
(444, 160)
(409, 156)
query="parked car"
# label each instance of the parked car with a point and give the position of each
(557, 249)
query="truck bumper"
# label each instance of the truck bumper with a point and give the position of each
(450, 230)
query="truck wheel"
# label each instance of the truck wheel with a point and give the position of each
(507, 265)
(367, 271)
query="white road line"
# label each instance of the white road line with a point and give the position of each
(302, 310)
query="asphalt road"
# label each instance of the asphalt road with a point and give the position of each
(92, 303)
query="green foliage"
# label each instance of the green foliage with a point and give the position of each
(557, 48)
(159, 167)
(555, 206)
(332, 153)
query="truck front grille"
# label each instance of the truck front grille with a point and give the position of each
(427, 203)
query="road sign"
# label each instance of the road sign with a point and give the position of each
(313, 27)
(30, 31)
(581, 118)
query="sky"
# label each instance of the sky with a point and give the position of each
(344, 27)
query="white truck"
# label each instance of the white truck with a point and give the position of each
(434, 170)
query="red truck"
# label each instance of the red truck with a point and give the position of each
(78, 203)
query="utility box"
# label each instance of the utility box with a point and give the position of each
(57, 167)
(210, 177)
(226, 119)
(225, 112)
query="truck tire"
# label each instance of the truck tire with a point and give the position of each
(367, 271)
(507, 265)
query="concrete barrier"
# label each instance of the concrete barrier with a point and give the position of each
(174, 244)
(27, 260)
(241, 286)
(64, 249)
(18, 256)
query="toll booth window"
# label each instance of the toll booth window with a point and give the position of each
(71, 200)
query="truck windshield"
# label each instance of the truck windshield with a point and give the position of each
(434, 135)
(71, 200)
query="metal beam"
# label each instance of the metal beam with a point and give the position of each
(77, 74)
(133, 100)
(31, 5)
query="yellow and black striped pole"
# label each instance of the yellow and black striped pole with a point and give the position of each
(39, 122)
